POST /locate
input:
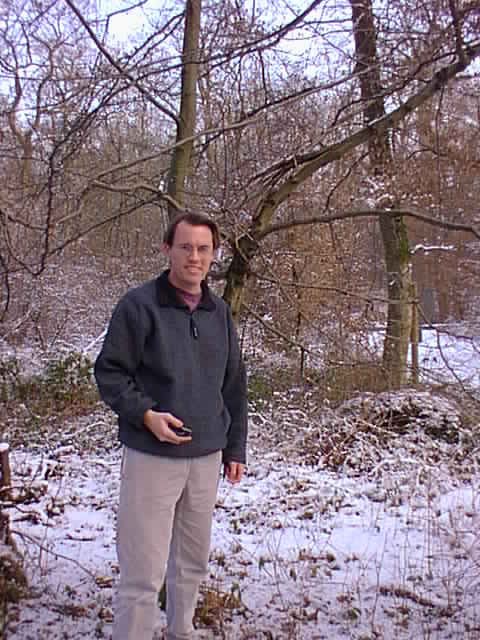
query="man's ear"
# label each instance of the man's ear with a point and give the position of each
(166, 249)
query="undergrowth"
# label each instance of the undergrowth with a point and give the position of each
(13, 586)
(332, 383)
(64, 388)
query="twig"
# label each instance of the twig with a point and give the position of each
(25, 536)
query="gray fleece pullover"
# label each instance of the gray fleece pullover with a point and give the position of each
(159, 355)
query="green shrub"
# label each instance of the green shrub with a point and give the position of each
(69, 380)
(260, 389)
(65, 385)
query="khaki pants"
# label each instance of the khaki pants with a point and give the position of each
(164, 526)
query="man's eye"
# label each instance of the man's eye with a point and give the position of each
(203, 249)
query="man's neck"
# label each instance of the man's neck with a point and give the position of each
(192, 300)
(193, 290)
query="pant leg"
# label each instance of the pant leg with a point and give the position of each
(190, 547)
(150, 488)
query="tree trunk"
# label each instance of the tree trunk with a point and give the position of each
(399, 317)
(181, 159)
(238, 273)
(393, 230)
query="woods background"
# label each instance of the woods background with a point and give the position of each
(336, 143)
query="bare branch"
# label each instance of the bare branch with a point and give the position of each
(53, 552)
(277, 332)
(312, 162)
(458, 28)
(316, 159)
(323, 288)
(121, 69)
(362, 213)
(166, 150)
(128, 189)
(249, 120)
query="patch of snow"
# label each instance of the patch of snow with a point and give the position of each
(304, 550)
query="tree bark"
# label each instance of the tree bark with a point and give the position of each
(238, 273)
(399, 286)
(180, 165)
(393, 229)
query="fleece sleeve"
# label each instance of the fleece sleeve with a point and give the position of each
(235, 397)
(118, 361)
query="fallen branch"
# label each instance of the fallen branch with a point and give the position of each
(41, 546)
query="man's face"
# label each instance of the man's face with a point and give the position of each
(190, 255)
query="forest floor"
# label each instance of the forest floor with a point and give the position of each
(355, 523)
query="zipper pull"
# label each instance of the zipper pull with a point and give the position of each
(193, 328)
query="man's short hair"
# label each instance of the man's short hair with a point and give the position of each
(196, 220)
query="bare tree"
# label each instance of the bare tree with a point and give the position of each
(393, 229)
(180, 166)
(282, 137)
(411, 88)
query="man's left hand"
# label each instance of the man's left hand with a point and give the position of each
(233, 471)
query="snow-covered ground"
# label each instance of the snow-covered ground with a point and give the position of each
(446, 354)
(383, 544)
(450, 355)
(353, 523)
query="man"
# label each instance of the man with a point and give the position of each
(171, 368)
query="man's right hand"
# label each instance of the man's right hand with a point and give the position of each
(158, 423)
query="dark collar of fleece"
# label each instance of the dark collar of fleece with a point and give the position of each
(167, 294)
